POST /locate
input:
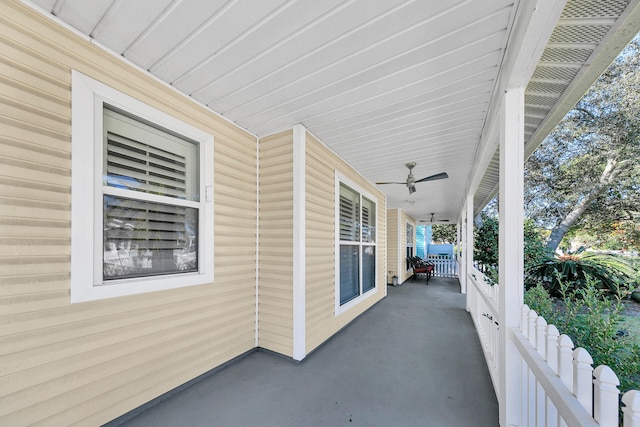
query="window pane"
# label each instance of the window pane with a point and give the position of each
(368, 268)
(145, 238)
(409, 244)
(349, 214)
(368, 220)
(141, 157)
(349, 272)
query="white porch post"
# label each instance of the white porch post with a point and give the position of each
(457, 252)
(468, 244)
(299, 247)
(511, 251)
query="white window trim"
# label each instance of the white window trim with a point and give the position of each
(88, 96)
(406, 225)
(339, 309)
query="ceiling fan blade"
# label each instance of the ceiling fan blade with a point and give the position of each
(379, 183)
(441, 175)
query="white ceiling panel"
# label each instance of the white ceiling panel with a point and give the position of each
(125, 21)
(77, 14)
(217, 37)
(315, 45)
(173, 28)
(381, 82)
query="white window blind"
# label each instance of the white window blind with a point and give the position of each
(152, 233)
(357, 234)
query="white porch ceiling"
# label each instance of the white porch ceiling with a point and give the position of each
(381, 82)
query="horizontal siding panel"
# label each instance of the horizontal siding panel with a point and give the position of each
(34, 172)
(269, 300)
(224, 205)
(241, 156)
(275, 263)
(275, 168)
(26, 247)
(19, 130)
(33, 302)
(24, 284)
(90, 383)
(14, 188)
(282, 294)
(29, 92)
(25, 227)
(275, 306)
(51, 362)
(24, 208)
(136, 393)
(277, 344)
(276, 279)
(238, 168)
(277, 326)
(57, 328)
(284, 178)
(13, 266)
(19, 59)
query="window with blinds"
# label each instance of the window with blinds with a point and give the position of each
(409, 245)
(357, 235)
(150, 199)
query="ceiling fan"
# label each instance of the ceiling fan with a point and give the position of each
(411, 181)
(431, 220)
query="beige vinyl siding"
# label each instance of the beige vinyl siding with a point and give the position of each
(392, 244)
(403, 219)
(275, 270)
(87, 363)
(397, 242)
(321, 165)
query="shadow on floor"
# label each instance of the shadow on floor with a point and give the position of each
(412, 360)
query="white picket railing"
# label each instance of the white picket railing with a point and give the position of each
(443, 265)
(482, 303)
(559, 386)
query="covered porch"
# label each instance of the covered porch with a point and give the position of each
(295, 102)
(433, 373)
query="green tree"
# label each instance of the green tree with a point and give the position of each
(446, 232)
(486, 242)
(587, 172)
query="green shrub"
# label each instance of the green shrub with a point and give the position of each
(609, 271)
(592, 317)
(538, 299)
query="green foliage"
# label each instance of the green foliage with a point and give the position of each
(485, 240)
(576, 269)
(534, 248)
(485, 248)
(447, 233)
(538, 299)
(592, 319)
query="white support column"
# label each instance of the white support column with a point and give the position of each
(511, 249)
(457, 254)
(299, 248)
(462, 274)
(468, 247)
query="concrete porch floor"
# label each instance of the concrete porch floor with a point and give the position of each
(414, 359)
